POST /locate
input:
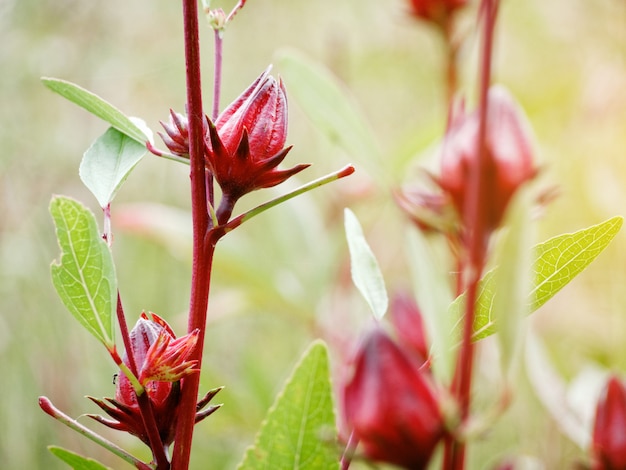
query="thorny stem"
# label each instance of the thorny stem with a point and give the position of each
(477, 239)
(202, 257)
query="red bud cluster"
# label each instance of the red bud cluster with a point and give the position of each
(609, 430)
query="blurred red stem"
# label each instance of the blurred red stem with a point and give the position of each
(217, 72)
(202, 254)
(477, 234)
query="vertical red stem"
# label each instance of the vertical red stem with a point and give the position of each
(477, 233)
(202, 253)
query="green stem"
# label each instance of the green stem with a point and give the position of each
(47, 406)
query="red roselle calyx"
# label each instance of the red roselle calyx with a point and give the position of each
(409, 324)
(609, 430)
(509, 157)
(436, 11)
(176, 137)
(390, 404)
(246, 142)
(162, 360)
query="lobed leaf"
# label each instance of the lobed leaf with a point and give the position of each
(85, 276)
(108, 162)
(556, 262)
(98, 107)
(76, 461)
(364, 268)
(299, 431)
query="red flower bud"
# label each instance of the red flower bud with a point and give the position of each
(246, 144)
(391, 406)
(409, 325)
(509, 156)
(437, 11)
(609, 430)
(162, 360)
(176, 137)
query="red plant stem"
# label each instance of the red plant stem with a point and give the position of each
(202, 253)
(477, 233)
(348, 453)
(145, 406)
(452, 49)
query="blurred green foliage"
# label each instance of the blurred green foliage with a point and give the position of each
(283, 279)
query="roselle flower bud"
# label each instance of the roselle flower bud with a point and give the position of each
(437, 11)
(390, 405)
(162, 361)
(176, 137)
(409, 325)
(246, 143)
(509, 156)
(609, 430)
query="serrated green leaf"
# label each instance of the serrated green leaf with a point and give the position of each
(76, 461)
(108, 162)
(85, 276)
(556, 262)
(299, 431)
(364, 268)
(97, 106)
(331, 108)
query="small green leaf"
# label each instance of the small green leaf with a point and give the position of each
(331, 108)
(76, 461)
(85, 277)
(365, 272)
(97, 106)
(108, 162)
(299, 431)
(556, 262)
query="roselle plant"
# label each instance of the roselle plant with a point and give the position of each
(405, 392)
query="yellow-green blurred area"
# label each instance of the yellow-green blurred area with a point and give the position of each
(283, 279)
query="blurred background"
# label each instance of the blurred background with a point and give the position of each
(283, 279)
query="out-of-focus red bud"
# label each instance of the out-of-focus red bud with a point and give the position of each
(430, 211)
(437, 11)
(391, 405)
(509, 156)
(409, 324)
(246, 143)
(609, 430)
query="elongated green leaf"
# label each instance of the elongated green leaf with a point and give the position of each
(299, 431)
(76, 461)
(85, 276)
(97, 106)
(331, 108)
(556, 262)
(365, 272)
(108, 162)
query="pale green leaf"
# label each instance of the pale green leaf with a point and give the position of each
(331, 108)
(108, 162)
(299, 431)
(555, 263)
(76, 461)
(85, 276)
(512, 280)
(364, 268)
(97, 106)
(432, 292)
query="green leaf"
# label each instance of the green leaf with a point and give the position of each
(556, 262)
(76, 461)
(331, 108)
(85, 277)
(512, 280)
(108, 162)
(98, 107)
(432, 292)
(299, 431)
(364, 268)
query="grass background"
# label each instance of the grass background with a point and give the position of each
(283, 278)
